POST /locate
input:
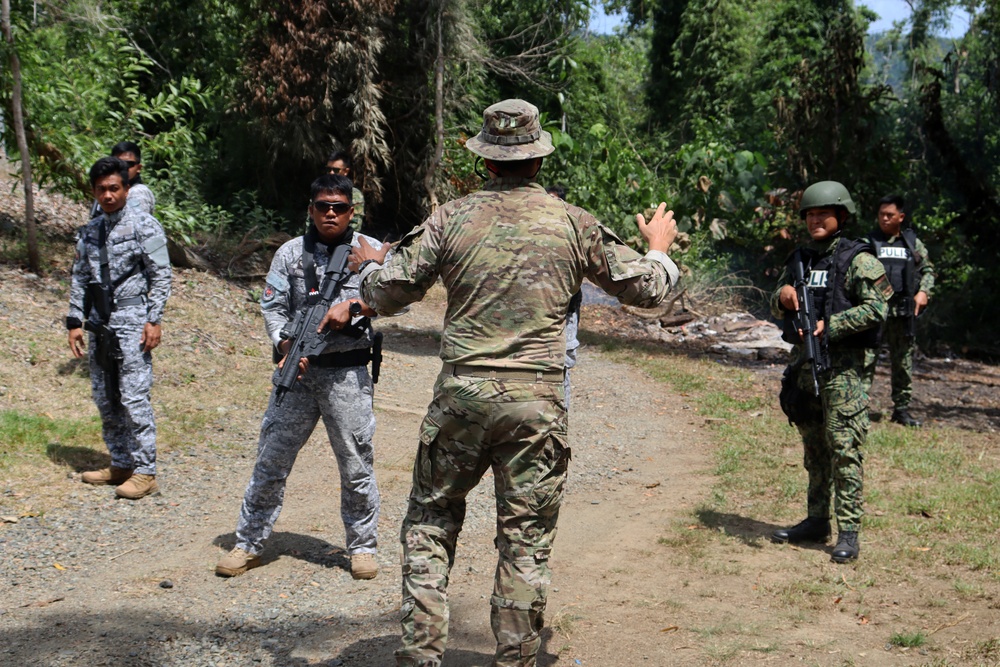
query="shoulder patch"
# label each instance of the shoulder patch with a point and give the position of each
(412, 236)
(277, 282)
(883, 285)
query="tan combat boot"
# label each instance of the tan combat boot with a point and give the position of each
(138, 486)
(236, 562)
(363, 566)
(112, 475)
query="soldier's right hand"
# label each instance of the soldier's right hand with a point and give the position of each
(789, 298)
(76, 343)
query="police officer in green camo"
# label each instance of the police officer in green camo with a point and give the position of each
(339, 163)
(851, 293)
(911, 273)
(511, 258)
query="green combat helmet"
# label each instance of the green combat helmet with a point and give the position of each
(826, 194)
(511, 131)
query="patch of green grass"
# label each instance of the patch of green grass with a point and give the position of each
(930, 493)
(908, 640)
(34, 437)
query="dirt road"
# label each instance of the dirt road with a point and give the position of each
(643, 575)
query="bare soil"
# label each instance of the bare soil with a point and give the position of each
(643, 573)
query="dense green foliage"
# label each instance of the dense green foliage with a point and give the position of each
(725, 109)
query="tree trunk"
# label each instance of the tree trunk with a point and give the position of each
(22, 140)
(438, 112)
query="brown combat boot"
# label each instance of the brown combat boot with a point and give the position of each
(112, 475)
(138, 486)
(236, 562)
(363, 566)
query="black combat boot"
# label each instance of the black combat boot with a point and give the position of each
(847, 547)
(903, 416)
(811, 529)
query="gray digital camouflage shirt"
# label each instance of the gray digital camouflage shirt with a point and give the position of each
(137, 247)
(285, 291)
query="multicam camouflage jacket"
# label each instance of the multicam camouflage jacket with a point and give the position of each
(511, 257)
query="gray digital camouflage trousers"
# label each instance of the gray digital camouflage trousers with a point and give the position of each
(895, 336)
(518, 429)
(128, 427)
(832, 447)
(342, 397)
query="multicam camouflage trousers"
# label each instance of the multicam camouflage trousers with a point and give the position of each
(128, 426)
(895, 336)
(517, 428)
(833, 446)
(343, 398)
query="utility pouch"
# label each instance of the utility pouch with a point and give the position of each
(798, 405)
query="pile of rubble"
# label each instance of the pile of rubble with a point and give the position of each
(736, 335)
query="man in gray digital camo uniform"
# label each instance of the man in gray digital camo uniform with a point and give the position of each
(139, 274)
(511, 257)
(139, 196)
(336, 386)
(911, 273)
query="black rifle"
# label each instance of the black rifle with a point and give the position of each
(302, 329)
(99, 296)
(805, 321)
(108, 355)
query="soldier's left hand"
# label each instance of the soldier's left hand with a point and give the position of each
(150, 336)
(303, 365)
(364, 251)
(820, 328)
(919, 303)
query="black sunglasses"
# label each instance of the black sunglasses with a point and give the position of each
(337, 207)
(130, 163)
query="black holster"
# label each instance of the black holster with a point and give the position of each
(798, 405)
(376, 355)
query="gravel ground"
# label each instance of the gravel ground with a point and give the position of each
(99, 581)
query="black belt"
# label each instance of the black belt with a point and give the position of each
(343, 359)
(503, 373)
(129, 301)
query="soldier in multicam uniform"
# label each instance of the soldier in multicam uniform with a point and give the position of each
(911, 273)
(336, 386)
(511, 258)
(852, 303)
(340, 164)
(139, 274)
(139, 196)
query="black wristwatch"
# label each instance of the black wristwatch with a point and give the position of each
(361, 267)
(354, 309)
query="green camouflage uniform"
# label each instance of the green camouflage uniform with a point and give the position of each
(358, 201)
(511, 257)
(833, 446)
(896, 332)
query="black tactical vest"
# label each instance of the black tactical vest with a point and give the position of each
(900, 260)
(827, 282)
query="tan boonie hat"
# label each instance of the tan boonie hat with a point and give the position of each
(511, 131)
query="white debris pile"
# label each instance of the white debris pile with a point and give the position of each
(737, 335)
